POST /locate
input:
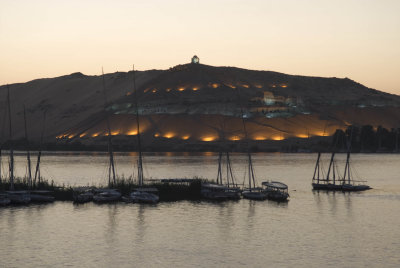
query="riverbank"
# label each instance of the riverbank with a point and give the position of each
(168, 191)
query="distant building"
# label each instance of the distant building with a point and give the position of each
(195, 60)
(270, 99)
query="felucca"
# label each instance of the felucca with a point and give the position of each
(107, 195)
(140, 194)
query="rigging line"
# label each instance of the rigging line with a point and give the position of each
(37, 170)
(28, 153)
(110, 147)
(140, 160)
(11, 165)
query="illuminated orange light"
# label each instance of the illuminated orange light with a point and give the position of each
(181, 89)
(115, 133)
(210, 138)
(132, 133)
(277, 138)
(245, 86)
(302, 136)
(157, 135)
(258, 86)
(169, 135)
(185, 137)
(321, 134)
(283, 85)
(154, 90)
(195, 88)
(273, 85)
(231, 86)
(95, 135)
(215, 85)
(260, 138)
(235, 138)
(82, 135)
(71, 136)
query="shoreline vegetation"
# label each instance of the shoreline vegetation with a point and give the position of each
(167, 191)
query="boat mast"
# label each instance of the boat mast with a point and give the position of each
(219, 175)
(28, 153)
(140, 160)
(37, 170)
(330, 165)
(111, 167)
(347, 167)
(1, 147)
(11, 166)
(316, 170)
(250, 171)
(229, 169)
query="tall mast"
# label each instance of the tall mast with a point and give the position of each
(0, 160)
(347, 167)
(219, 176)
(1, 141)
(229, 166)
(28, 153)
(316, 170)
(11, 167)
(111, 168)
(37, 170)
(140, 160)
(331, 163)
(250, 167)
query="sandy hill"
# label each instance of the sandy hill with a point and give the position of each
(196, 103)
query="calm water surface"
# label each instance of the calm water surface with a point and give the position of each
(314, 229)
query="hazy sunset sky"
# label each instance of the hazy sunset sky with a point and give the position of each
(359, 39)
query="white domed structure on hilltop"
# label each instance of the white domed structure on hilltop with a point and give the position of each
(195, 60)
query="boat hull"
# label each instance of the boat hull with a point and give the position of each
(5, 201)
(41, 198)
(254, 195)
(280, 197)
(327, 186)
(142, 197)
(19, 200)
(83, 198)
(341, 187)
(107, 196)
(355, 188)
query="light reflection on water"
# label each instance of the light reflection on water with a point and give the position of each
(314, 229)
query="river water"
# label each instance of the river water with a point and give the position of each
(314, 229)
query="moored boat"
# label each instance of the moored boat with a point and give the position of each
(255, 193)
(276, 190)
(19, 197)
(219, 192)
(106, 195)
(41, 196)
(4, 200)
(143, 195)
(82, 195)
(328, 183)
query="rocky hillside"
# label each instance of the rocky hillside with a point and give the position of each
(195, 103)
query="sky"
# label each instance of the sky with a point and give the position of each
(358, 39)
